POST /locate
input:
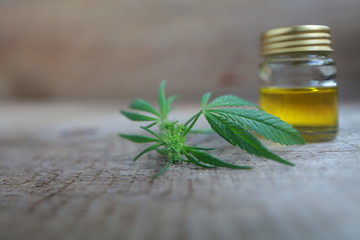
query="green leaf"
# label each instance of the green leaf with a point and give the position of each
(139, 138)
(152, 147)
(205, 131)
(142, 105)
(264, 124)
(229, 101)
(162, 99)
(170, 161)
(205, 99)
(237, 135)
(220, 129)
(196, 162)
(199, 148)
(137, 116)
(209, 159)
(169, 101)
(150, 125)
(151, 132)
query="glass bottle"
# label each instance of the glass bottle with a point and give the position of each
(298, 82)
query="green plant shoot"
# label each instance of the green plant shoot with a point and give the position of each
(232, 118)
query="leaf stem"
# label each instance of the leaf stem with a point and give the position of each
(195, 118)
(192, 118)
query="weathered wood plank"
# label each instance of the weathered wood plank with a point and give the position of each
(65, 175)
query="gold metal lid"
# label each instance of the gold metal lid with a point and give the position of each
(301, 38)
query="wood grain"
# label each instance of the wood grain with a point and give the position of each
(65, 175)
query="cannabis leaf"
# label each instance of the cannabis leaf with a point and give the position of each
(137, 116)
(229, 101)
(262, 123)
(142, 105)
(139, 138)
(232, 118)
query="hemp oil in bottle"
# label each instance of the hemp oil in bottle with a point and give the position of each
(298, 82)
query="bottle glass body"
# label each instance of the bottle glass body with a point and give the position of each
(301, 89)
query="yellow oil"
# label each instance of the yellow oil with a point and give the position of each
(312, 111)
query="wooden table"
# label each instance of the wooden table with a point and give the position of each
(64, 174)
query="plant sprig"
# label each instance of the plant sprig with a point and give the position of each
(232, 118)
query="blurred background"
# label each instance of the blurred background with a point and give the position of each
(120, 49)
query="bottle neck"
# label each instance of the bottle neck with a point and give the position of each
(298, 55)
